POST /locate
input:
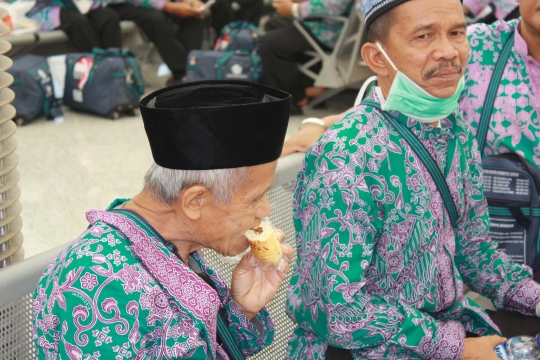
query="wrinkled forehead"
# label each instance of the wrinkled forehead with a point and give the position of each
(424, 15)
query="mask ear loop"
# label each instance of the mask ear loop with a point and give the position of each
(386, 56)
(363, 89)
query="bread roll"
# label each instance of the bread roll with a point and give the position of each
(264, 244)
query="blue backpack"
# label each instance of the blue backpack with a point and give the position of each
(511, 186)
(234, 56)
(223, 65)
(239, 35)
(103, 82)
(33, 87)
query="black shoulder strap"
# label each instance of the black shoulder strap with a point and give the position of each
(483, 124)
(424, 156)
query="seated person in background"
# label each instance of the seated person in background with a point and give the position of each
(381, 260)
(175, 28)
(227, 11)
(248, 10)
(515, 116)
(134, 285)
(93, 26)
(283, 44)
(503, 9)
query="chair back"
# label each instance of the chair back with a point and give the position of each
(340, 67)
(17, 285)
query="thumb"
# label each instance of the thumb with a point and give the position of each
(495, 339)
(280, 235)
(245, 264)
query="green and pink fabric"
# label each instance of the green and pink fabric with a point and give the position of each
(118, 293)
(380, 270)
(515, 122)
(503, 8)
(47, 12)
(327, 31)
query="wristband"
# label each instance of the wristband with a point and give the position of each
(295, 10)
(316, 121)
(538, 309)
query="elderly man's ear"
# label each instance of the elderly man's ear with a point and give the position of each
(193, 199)
(374, 58)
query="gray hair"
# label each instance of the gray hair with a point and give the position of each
(380, 27)
(166, 184)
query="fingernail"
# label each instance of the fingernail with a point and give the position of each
(253, 261)
(281, 265)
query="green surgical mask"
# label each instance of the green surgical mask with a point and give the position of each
(406, 97)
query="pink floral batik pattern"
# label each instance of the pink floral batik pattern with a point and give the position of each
(514, 124)
(379, 269)
(118, 293)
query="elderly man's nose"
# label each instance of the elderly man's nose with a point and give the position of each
(446, 49)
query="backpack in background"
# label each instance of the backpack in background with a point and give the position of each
(34, 91)
(239, 35)
(511, 186)
(104, 82)
(223, 65)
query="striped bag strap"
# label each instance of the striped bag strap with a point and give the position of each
(423, 154)
(483, 124)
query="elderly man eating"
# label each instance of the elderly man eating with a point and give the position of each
(390, 212)
(133, 285)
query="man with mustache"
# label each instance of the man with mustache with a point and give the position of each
(383, 250)
(515, 124)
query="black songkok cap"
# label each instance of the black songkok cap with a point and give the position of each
(208, 125)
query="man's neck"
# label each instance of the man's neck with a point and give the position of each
(532, 38)
(166, 221)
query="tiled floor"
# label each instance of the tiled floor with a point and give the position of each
(84, 163)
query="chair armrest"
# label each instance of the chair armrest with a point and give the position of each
(21, 279)
(297, 24)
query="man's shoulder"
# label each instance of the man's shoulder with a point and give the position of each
(98, 244)
(361, 121)
(360, 131)
(489, 38)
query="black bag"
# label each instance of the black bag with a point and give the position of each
(33, 87)
(223, 65)
(511, 186)
(104, 82)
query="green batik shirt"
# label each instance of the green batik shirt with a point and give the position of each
(380, 270)
(118, 293)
